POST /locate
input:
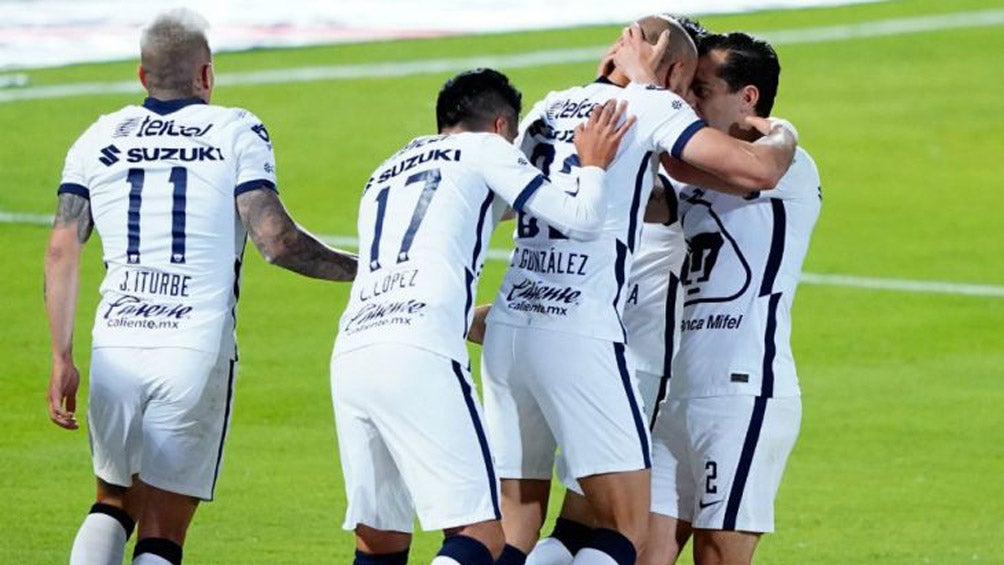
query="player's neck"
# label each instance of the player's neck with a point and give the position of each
(618, 78)
(166, 95)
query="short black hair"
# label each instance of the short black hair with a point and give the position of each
(693, 27)
(475, 98)
(748, 60)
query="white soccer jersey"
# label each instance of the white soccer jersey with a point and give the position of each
(744, 261)
(424, 218)
(652, 309)
(162, 179)
(558, 284)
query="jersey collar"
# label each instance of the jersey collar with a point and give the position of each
(165, 107)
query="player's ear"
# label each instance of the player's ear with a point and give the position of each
(207, 78)
(750, 96)
(142, 77)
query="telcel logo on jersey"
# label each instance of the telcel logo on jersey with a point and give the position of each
(152, 127)
(185, 154)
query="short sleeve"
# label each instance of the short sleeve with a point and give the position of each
(74, 178)
(507, 171)
(673, 121)
(255, 159)
(800, 182)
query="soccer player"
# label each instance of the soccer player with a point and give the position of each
(173, 187)
(409, 426)
(651, 319)
(733, 411)
(555, 367)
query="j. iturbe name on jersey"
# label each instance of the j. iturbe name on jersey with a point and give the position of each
(162, 179)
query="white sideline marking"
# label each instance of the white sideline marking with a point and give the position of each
(871, 283)
(880, 28)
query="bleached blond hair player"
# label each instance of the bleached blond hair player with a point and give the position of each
(555, 367)
(173, 186)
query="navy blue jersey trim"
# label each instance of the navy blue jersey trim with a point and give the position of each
(639, 183)
(672, 200)
(619, 276)
(769, 348)
(482, 216)
(165, 107)
(72, 188)
(667, 351)
(465, 387)
(223, 434)
(745, 462)
(681, 142)
(636, 414)
(527, 192)
(776, 247)
(469, 280)
(254, 185)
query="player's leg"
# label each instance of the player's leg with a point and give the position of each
(381, 547)
(380, 510)
(521, 439)
(188, 405)
(113, 420)
(591, 402)
(572, 530)
(745, 443)
(718, 547)
(675, 480)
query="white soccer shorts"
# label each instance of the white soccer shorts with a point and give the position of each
(717, 461)
(545, 389)
(162, 413)
(411, 439)
(651, 388)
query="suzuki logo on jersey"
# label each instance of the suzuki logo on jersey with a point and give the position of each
(262, 132)
(416, 160)
(110, 155)
(186, 154)
(152, 127)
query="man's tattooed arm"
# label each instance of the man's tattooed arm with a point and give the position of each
(74, 211)
(282, 242)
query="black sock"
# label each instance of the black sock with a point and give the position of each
(115, 512)
(511, 555)
(364, 558)
(466, 550)
(163, 548)
(573, 535)
(614, 544)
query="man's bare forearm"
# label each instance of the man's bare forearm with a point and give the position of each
(72, 227)
(283, 243)
(308, 256)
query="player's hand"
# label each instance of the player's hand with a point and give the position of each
(62, 397)
(597, 140)
(606, 65)
(637, 58)
(766, 126)
(478, 325)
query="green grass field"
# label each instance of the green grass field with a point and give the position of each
(901, 455)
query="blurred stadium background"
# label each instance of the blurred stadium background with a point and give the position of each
(899, 331)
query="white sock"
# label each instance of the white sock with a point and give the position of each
(549, 551)
(443, 560)
(590, 556)
(100, 540)
(149, 559)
